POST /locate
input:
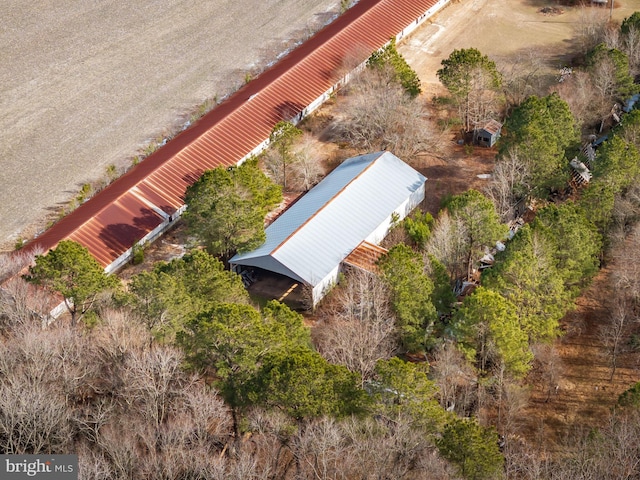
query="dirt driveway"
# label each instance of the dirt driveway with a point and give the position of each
(501, 29)
(86, 84)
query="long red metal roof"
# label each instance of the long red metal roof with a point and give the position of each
(135, 204)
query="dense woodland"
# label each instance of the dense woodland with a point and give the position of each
(178, 374)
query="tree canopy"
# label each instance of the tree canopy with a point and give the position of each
(226, 208)
(478, 224)
(389, 57)
(473, 448)
(175, 292)
(616, 170)
(474, 82)
(282, 138)
(403, 389)
(442, 296)
(609, 68)
(488, 330)
(418, 226)
(574, 243)
(300, 382)
(70, 270)
(618, 163)
(230, 341)
(526, 275)
(630, 397)
(411, 291)
(540, 131)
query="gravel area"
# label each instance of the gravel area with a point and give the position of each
(88, 84)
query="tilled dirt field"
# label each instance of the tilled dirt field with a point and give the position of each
(84, 85)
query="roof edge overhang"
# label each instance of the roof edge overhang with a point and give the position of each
(267, 262)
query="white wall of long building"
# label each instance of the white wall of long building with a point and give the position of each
(313, 106)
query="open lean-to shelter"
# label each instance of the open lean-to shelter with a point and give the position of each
(356, 203)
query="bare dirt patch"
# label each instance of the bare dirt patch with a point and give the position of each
(501, 29)
(455, 174)
(84, 85)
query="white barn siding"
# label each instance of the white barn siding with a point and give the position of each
(326, 284)
(355, 202)
(402, 211)
(421, 19)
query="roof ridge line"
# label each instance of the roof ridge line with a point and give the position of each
(333, 197)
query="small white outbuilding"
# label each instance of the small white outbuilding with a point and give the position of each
(357, 202)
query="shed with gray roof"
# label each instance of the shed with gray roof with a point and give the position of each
(489, 133)
(357, 202)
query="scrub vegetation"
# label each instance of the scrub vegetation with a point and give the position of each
(422, 370)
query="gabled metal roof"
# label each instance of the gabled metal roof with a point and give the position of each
(312, 238)
(492, 127)
(138, 202)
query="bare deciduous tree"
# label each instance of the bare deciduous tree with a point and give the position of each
(585, 103)
(547, 365)
(33, 416)
(604, 83)
(12, 264)
(508, 186)
(118, 334)
(626, 274)
(360, 330)
(630, 46)
(378, 115)
(305, 164)
(153, 380)
(319, 448)
(591, 27)
(522, 76)
(447, 244)
(455, 378)
(306, 170)
(612, 453)
(612, 333)
(392, 446)
(20, 302)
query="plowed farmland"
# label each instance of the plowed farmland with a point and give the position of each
(86, 85)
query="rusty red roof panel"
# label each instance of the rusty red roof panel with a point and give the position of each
(123, 213)
(366, 256)
(492, 127)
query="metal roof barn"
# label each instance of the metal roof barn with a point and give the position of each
(146, 201)
(358, 201)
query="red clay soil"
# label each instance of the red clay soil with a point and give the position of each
(455, 174)
(585, 392)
